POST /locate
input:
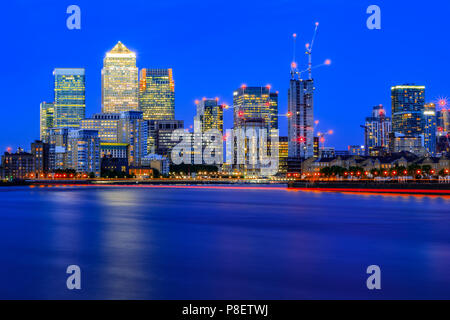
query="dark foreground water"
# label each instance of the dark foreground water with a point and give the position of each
(219, 243)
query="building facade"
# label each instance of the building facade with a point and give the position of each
(105, 123)
(17, 165)
(58, 141)
(157, 94)
(46, 115)
(120, 88)
(133, 130)
(408, 106)
(160, 133)
(41, 157)
(429, 128)
(377, 130)
(252, 103)
(70, 97)
(209, 115)
(301, 118)
(84, 151)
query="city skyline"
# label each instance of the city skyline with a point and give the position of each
(251, 72)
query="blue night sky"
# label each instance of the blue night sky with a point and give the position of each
(215, 46)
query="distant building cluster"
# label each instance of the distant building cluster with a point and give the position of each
(132, 135)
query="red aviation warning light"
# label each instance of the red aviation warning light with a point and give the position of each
(241, 114)
(289, 114)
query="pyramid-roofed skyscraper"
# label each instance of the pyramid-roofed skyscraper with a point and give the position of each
(120, 86)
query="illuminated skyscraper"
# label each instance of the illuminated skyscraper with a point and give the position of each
(47, 111)
(209, 115)
(120, 80)
(252, 103)
(157, 94)
(429, 128)
(377, 129)
(70, 101)
(301, 118)
(408, 109)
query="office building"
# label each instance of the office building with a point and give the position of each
(105, 123)
(120, 88)
(209, 115)
(252, 103)
(157, 94)
(47, 113)
(408, 103)
(160, 133)
(429, 128)
(70, 97)
(283, 153)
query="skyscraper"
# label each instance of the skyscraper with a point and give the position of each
(251, 103)
(408, 109)
(209, 115)
(70, 101)
(377, 129)
(429, 128)
(119, 80)
(301, 117)
(157, 94)
(47, 111)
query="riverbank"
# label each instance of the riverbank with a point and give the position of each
(423, 187)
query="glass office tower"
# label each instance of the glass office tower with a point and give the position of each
(47, 111)
(429, 128)
(157, 94)
(251, 103)
(70, 101)
(209, 115)
(408, 103)
(120, 81)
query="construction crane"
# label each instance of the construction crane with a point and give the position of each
(309, 48)
(322, 136)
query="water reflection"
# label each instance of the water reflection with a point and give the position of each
(221, 243)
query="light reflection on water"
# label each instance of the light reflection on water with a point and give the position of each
(220, 243)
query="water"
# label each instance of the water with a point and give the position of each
(221, 243)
